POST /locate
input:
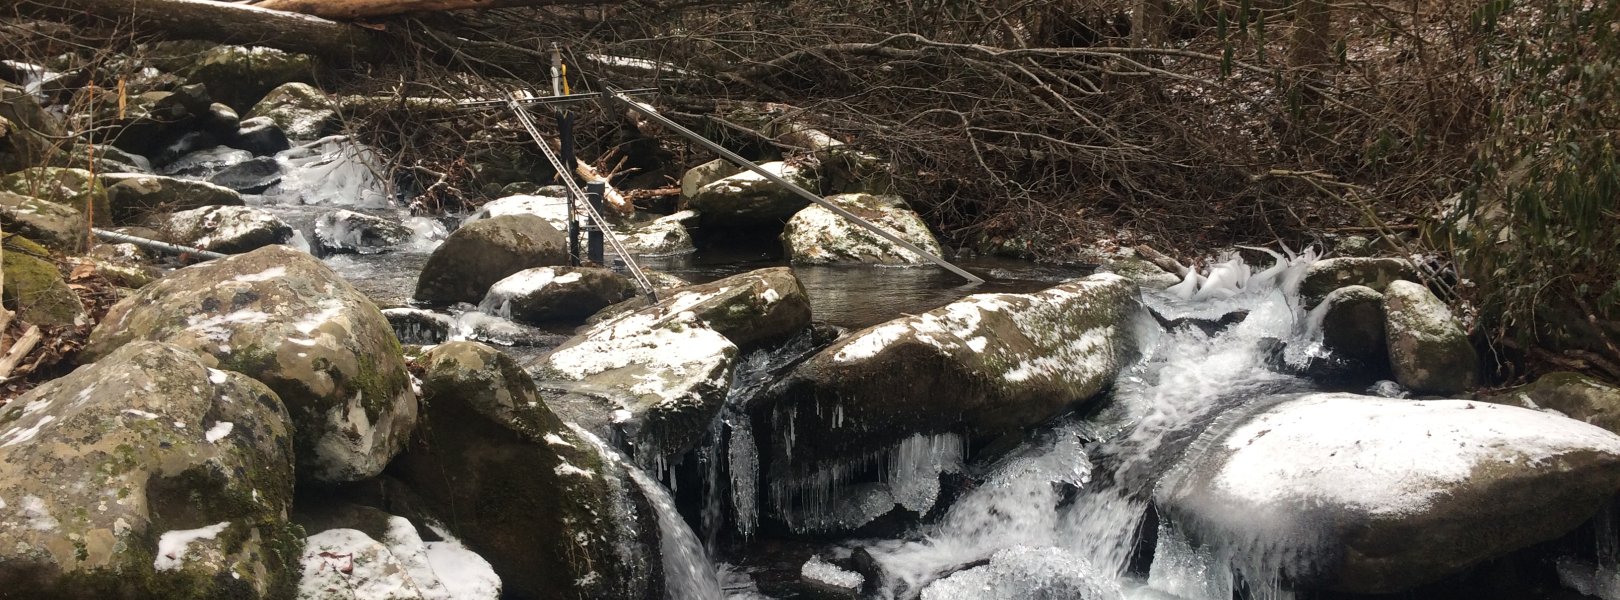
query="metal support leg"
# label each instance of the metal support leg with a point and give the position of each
(593, 194)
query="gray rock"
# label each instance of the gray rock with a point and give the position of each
(1324, 276)
(558, 530)
(227, 229)
(552, 294)
(75, 188)
(57, 226)
(348, 231)
(751, 309)
(696, 177)
(983, 366)
(1570, 394)
(254, 176)
(483, 252)
(300, 110)
(134, 197)
(817, 236)
(1428, 349)
(747, 200)
(1353, 330)
(261, 136)
(281, 316)
(664, 236)
(147, 474)
(240, 76)
(28, 135)
(1372, 496)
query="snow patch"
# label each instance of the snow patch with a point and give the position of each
(218, 431)
(174, 545)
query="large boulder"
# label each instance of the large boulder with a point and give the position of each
(552, 208)
(75, 188)
(34, 287)
(133, 196)
(1428, 349)
(983, 366)
(696, 177)
(552, 294)
(239, 76)
(284, 318)
(664, 236)
(1352, 328)
(818, 236)
(147, 475)
(57, 226)
(1374, 495)
(1571, 394)
(227, 229)
(300, 110)
(1324, 276)
(544, 505)
(485, 251)
(260, 135)
(28, 135)
(747, 200)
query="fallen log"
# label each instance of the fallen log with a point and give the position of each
(222, 22)
(366, 9)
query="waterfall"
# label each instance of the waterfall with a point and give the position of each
(688, 573)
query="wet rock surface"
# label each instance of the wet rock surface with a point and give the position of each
(483, 252)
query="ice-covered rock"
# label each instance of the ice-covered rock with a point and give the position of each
(552, 294)
(56, 226)
(283, 317)
(134, 196)
(986, 365)
(483, 252)
(227, 229)
(147, 475)
(203, 163)
(818, 236)
(1351, 325)
(349, 231)
(1372, 495)
(1326, 275)
(332, 171)
(249, 177)
(746, 200)
(1571, 394)
(417, 326)
(542, 504)
(349, 564)
(300, 110)
(1428, 349)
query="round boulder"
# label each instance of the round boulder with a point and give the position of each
(550, 294)
(147, 475)
(284, 318)
(747, 200)
(1428, 349)
(818, 236)
(34, 287)
(300, 110)
(1324, 276)
(483, 252)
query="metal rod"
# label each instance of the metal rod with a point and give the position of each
(555, 99)
(650, 113)
(593, 195)
(150, 244)
(565, 136)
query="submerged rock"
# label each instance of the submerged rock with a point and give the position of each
(133, 197)
(483, 252)
(817, 236)
(747, 200)
(147, 475)
(1428, 349)
(34, 287)
(1571, 394)
(551, 294)
(1324, 276)
(540, 503)
(1370, 495)
(227, 229)
(57, 226)
(349, 231)
(300, 110)
(986, 365)
(281, 316)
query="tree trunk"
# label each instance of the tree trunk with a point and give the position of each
(362, 9)
(1313, 32)
(213, 21)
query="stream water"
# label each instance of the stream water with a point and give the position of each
(1064, 515)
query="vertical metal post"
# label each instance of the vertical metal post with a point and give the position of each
(593, 194)
(565, 131)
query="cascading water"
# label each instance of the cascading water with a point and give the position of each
(1061, 517)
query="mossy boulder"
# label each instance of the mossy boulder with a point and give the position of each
(1428, 349)
(1352, 320)
(134, 197)
(34, 287)
(227, 229)
(483, 252)
(983, 366)
(75, 188)
(750, 202)
(1324, 276)
(556, 294)
(239, 76)
(301, 111)
(818, 236)
(1377, 496)
(147, 475)
(1571, 394)
(541, 503)
(283, 317)
(696, 177)
(56, 226)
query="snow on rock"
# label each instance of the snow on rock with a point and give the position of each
(174, 546)
(348, 231)
(817, 235)
(820, 572)
(1376, 495)
(985, 365)
(551, 294)
(553, 209)
(347, 564)
(747, 200)
(228, 229)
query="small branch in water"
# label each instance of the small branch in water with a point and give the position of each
(1162, 261)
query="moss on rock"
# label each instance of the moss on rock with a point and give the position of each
(34, 287)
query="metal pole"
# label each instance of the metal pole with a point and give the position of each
(565, 133)
(650, 113)
(593, 245)
(150, 244)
